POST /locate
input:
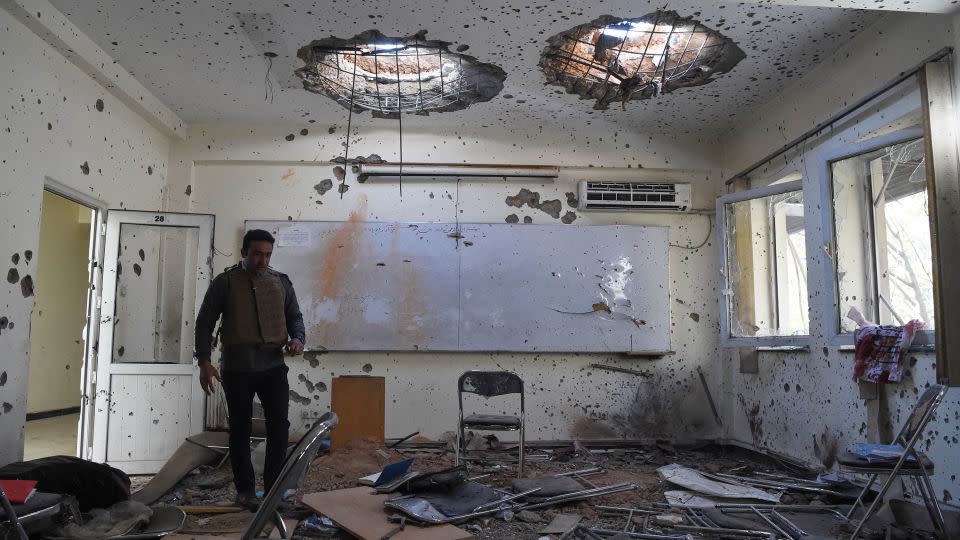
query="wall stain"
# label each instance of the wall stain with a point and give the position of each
(299, 399)
(27, 255)
(532, 199)
(512, 218)
(826, 448)
(754, 420)
(99, 105)
(569, 218)
(324, 186)
(13, 276)
(26, 286)
(85, 168)
(15, 258)
(334, 263)
(3, 378)
(306, 382)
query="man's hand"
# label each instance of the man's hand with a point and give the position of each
(294, 347)
(208, 372)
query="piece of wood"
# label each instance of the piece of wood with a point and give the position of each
(360, 512)
(562, 523)
(191, 454)
(359, 403)
(211, 509)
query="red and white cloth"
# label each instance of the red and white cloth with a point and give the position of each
(880, 351)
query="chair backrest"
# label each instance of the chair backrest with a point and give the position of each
(921, 414)
(490, 383)
(292, 473)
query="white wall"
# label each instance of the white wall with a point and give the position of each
(255, 174)
(806, 404)
(50, 128)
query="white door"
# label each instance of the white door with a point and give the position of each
(147, 398)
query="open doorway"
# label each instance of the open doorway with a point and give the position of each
(57, 333)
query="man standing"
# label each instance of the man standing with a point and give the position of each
(260, 312)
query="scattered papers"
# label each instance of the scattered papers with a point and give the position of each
(688, 498)
(880, 452)
(691, 479)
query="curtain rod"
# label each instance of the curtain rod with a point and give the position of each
(842, 113)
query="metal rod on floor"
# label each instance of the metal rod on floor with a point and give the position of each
(843, 113)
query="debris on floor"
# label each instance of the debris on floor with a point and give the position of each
(571, 489)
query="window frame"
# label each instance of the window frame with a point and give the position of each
(924, 340)
(723, 244)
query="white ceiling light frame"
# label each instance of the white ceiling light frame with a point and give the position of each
(365, 171)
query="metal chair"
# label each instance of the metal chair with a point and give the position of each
(294, 469)
(489, 384)
(910, 463)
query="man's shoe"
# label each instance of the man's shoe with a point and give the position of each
(248, 501)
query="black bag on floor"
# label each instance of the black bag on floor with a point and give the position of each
(95, 485)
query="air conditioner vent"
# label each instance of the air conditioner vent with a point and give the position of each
(634, 196)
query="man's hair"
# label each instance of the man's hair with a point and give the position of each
(256, 235)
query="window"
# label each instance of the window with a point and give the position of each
(883, 261)
(765, 266)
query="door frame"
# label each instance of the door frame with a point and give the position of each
(104, 366)
(92, 308)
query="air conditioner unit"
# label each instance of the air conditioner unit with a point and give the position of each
(624, 196)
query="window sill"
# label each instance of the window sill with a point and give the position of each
(913, 349)
(778, 343)
(785, 349)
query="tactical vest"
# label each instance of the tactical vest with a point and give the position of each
(254, 313)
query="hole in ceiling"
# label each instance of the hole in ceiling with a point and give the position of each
(615, 59)
(385, 75)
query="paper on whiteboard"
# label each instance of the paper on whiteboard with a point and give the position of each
(294, 236)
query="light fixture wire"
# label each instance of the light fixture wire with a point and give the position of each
(346, 149)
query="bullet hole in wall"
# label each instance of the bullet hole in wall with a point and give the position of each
(26, 286)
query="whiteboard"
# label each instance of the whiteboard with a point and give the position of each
(366, 286)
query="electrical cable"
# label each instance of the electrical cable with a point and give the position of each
(705, 240)
(346, 149)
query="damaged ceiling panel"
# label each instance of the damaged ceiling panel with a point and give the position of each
(229, 61)
(388, 76)
(613, 59)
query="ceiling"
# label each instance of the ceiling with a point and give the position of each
(206, 59)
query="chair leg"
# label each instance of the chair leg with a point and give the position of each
(457, 446)
(281, 526)
(883, 490)
(12, 517)
(521, 447)
(859, 501)
(933, 505)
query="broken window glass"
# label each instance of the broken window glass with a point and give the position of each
(156, 271)
(882, 236)
(767, 266)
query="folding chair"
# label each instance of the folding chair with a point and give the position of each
(910, 463)
(294, 469)
(489, 384)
